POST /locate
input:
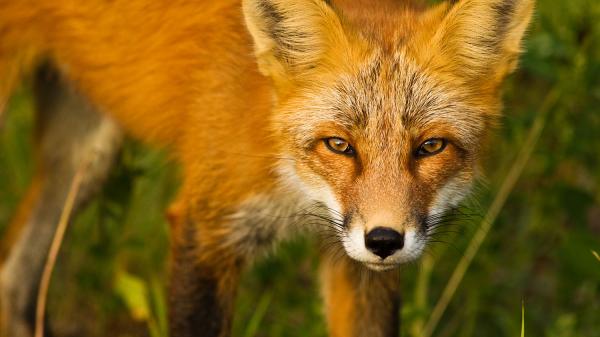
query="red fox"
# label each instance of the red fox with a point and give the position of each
(364, 119)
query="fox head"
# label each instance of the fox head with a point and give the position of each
(384, 107)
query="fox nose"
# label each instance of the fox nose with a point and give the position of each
(383, 241)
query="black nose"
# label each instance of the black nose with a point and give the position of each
(383, 241)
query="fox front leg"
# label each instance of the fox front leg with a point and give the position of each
(204, 279)
(360, 302)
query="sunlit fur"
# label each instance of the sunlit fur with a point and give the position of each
(242, 94)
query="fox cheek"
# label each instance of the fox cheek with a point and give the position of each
(450, 195)
(311, 185)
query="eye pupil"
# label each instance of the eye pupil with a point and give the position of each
(339, 146)
(431, 147)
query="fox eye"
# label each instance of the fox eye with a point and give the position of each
(339, 146)
(431, 147)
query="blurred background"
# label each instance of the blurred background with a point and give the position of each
(110, 278)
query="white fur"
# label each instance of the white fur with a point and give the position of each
(322, 193)
(450, 195)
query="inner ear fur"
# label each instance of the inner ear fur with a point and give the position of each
(480, 40)
(291, 37)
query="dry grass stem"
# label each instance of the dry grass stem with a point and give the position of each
(54, 250)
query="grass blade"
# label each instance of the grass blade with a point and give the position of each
(261, 309)
(523, 319)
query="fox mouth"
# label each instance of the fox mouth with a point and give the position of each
(381, 266)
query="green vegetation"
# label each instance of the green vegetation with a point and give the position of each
(538, 255)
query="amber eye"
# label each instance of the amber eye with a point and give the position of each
(431, 146)
(339, 146)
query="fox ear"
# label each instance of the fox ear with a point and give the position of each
(291, 36)
(483, 37)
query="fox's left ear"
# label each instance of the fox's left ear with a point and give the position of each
(483, 37)
(291, 37)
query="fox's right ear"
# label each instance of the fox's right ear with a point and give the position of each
(292, 36)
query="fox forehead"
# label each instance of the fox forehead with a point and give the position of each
(389, 98)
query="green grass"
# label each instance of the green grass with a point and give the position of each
(111, 272)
